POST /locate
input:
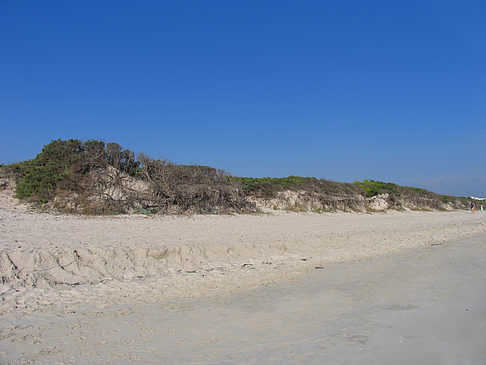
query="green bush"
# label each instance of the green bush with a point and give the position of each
(252, 183)
(372, 188)
(39, 177)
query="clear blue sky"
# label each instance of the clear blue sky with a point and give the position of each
(344, 90)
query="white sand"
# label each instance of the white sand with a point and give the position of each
(420, 306)
(202, 289)
(61, 261)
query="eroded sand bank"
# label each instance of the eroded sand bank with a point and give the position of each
(136, 288)
(61, 261)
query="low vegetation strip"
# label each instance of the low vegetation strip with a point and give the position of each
(252, 183)
(94, 177)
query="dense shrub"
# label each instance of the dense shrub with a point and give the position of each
(38, 178)
(97, 177)
(253, 183)
(372, 188)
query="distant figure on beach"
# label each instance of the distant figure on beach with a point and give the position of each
(473, 206)
(481, 207)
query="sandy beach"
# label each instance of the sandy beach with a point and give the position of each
(242, 182)
(94, 283)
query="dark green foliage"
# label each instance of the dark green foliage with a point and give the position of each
(418, 190)
(38, 179)
(95, 177)
(466, 201)
(373, 188)
(253, 183)
(445, 199)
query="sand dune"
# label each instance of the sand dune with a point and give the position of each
(53, 260)
(218, 289)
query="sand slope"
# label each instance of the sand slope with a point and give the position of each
(420, 306)
(49, 260)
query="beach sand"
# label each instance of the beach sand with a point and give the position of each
(230, 289)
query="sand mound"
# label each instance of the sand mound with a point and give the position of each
(47, 267)
(50, 259)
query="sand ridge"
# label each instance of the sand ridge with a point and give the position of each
(60, 261)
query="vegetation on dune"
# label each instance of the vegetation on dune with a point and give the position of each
(63, 161)
(96, 177)
(289, 182)
(372, 188)
(464, 200)
(332, 195)
(253, 183)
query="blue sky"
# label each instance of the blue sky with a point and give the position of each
(344, 90)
